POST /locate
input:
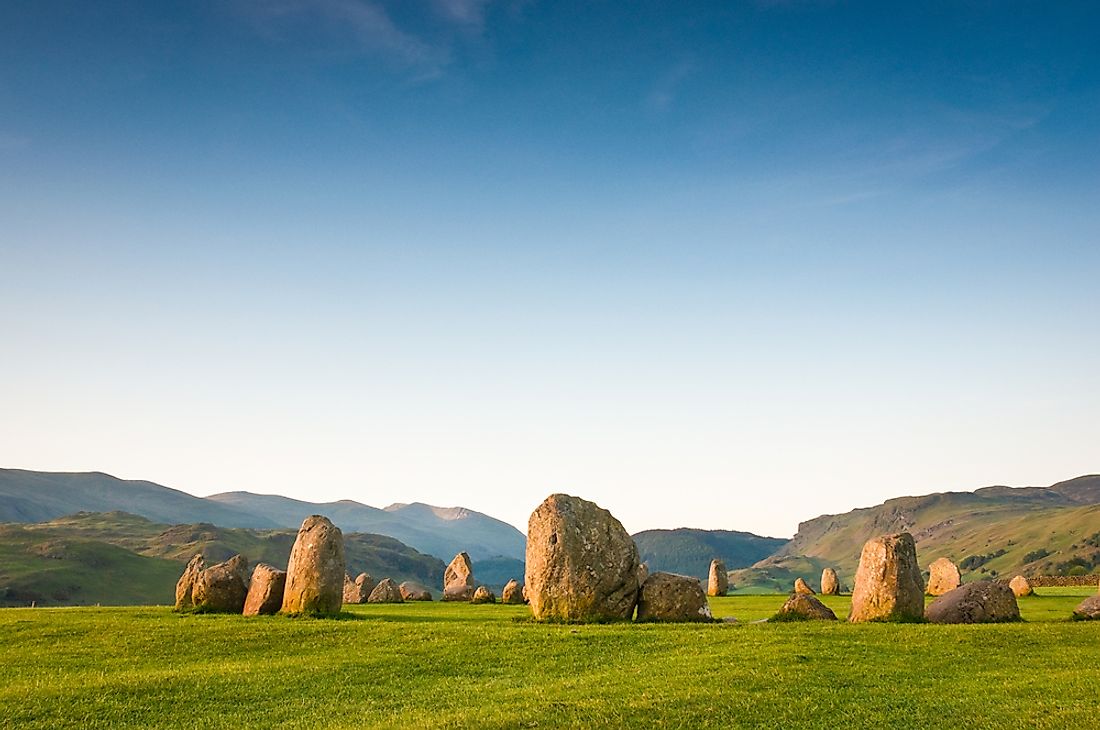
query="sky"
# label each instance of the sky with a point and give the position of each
(719, 265)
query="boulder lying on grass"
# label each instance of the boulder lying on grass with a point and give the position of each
(802, 587)
(222, 588)
(186, 584)
(265, 591)
(356, 591)
(315, 573)
(1020, 586)
(943, 576)
(1088, 609)
(718, 581)
(385, 592)
(981, 602)
(458, 579)
(830, 585)
(670, 597)
(802, 606)
(582, 565)
(512, 593)
(889, 586)
(414, 592)
(483, 595)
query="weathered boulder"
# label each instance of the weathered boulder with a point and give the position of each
(830, 584)
(889, 586)
(458, 579)
(1088, 609)
(718, 581)
(670, 597)
(385, 592)
(483, 595)
(943, 576)
(315, 572)
(512, 593)
(414, 592)
(265, 591)
(805, 606)
(1020, 586)
(581, 564)
(186, 583)
(980, 602)
(222, 588)
(356, 591)
(802, 587)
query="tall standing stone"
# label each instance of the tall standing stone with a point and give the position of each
(315, 572)
(943, 576)
(186, 583)
(889, 586)
(265, 591)
(222, 588)
(718, 582)
(581, 564)
(830, 585)
(458, 579)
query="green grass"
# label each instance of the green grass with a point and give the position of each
(455, 665)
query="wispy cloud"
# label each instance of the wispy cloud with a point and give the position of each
(469, 13)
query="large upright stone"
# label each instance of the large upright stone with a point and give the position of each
(265, 591)
(889, 586)
(581, 564)
(981, 602)
(670, 597)
(830, 584)
(1020, 586)
(186, 584)
(458, 579)
(315, 572)
(512, 593)
(222, 588)
(802, 587)
(943, 576)
(718, 582)
(356, 591)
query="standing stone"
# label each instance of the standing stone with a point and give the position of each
(888, 586)
(1088, 609)
(718, 582)
(830, 585)
(806, 606)
(385, 592)
(458, 579)
(643, 573)
(186, 583)
(943, 576)
(802, 587)
(512, 593)
(414, 592)
(315, 572)
(265, 591)
(356, 591)
(670, 597)
(1020, 586)
(981, 602)
(581, 564)
(483, 595)
(222, 588)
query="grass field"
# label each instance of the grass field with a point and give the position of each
(453, 665)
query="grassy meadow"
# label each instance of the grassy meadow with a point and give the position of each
(453, 665)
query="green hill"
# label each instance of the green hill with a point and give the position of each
(117, 558)
(689, 552)
(991, 532)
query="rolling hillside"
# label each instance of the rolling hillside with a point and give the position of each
(689, 552)
(119, 559)
(29, 496)
(990, 532)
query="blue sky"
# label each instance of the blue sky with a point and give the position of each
(716, 264)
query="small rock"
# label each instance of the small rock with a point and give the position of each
(357, 591)
(1020, 586)
(483, 595)
(943, 576)
(414, 592)
(670, 597)
(981, 602)
(385, 592)
(805, 606)
(1088, 609)
(802, 587)
(512, 593)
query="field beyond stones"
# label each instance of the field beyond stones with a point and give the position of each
(440, 665)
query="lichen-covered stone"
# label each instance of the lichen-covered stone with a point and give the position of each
(222, 588)
(889, 586)
(582, 565)
(265, 591)
(316, 570)
(385, 592)
(356, 591)
(512, 593)
(943, 576)
(458, 579)
(670, 597)
(186, 584)
(981, 602)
